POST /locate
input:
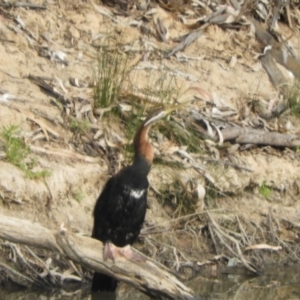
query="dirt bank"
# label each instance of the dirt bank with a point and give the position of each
(220, 199)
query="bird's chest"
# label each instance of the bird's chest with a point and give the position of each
(132, 199)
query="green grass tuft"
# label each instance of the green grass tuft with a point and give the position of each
(109, 75)
(293, 99)
(79, 125)
(265, 191)
(17, 152)
(182, 136)
(15, 148)
(78, 196)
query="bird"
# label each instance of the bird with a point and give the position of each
(120, 209)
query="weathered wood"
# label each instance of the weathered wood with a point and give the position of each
(22, 4)
(260, 137)
(144, 276)
(25, 232)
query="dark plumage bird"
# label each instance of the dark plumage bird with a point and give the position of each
(120, 210)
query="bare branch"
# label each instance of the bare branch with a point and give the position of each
(144, 276)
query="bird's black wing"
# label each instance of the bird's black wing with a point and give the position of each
(120, 209)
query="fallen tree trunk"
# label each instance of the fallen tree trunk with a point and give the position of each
(260, 137)
(144, 276)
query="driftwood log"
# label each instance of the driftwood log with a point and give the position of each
(144, 276)
(260, 137)
(241, 135)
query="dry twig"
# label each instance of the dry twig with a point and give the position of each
(222, 236)
(23, 4)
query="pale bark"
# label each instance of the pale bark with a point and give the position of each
(260, 137)
(144, 276)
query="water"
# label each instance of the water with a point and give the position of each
(275, 284)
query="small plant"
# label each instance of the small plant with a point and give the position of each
(265, 191)
(15, 148)
(133, 120)
(293, 100)
(17, 152)
(164, 88)
(36, 174)
(79, 125)
(78, 196)
(109, 75)
(182, 135)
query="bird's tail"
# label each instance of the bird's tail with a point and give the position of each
(103, 283)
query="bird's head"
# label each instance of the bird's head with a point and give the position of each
(142, 146)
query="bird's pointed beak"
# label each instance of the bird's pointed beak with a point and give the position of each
(157, 116)
(161, 113)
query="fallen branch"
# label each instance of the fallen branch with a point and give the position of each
(144, 276)
(39, 81)
(21, 4)
(226, 163)
(188, 39)
(64, 153)
(241, 135)
(263, 247)
(260, 137)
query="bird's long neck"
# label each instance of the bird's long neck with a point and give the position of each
(141, 165)
(142, 147)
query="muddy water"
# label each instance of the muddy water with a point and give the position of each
(275, 284)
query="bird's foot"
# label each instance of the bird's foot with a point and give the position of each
(128, 253)
(112, 252)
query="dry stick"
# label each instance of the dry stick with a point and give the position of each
(21, 4)
(37, 258)
(270, 224)
(183, 217)
(75, 269)
(42, 263)
(294, 224)
(51, 199)
(220, 233)
(39, 81)
(244, 235)
(145, 231)
(225, 244)
(16, 273)
(195, 238)
(175, 250)
(226, 163)
(285, 245)
(177, 264)
(64, 153)
(152, 245)
(275, 236)
(7, 41)
(22, 258)
(211, 232)
(144, 276)
(190, 38)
